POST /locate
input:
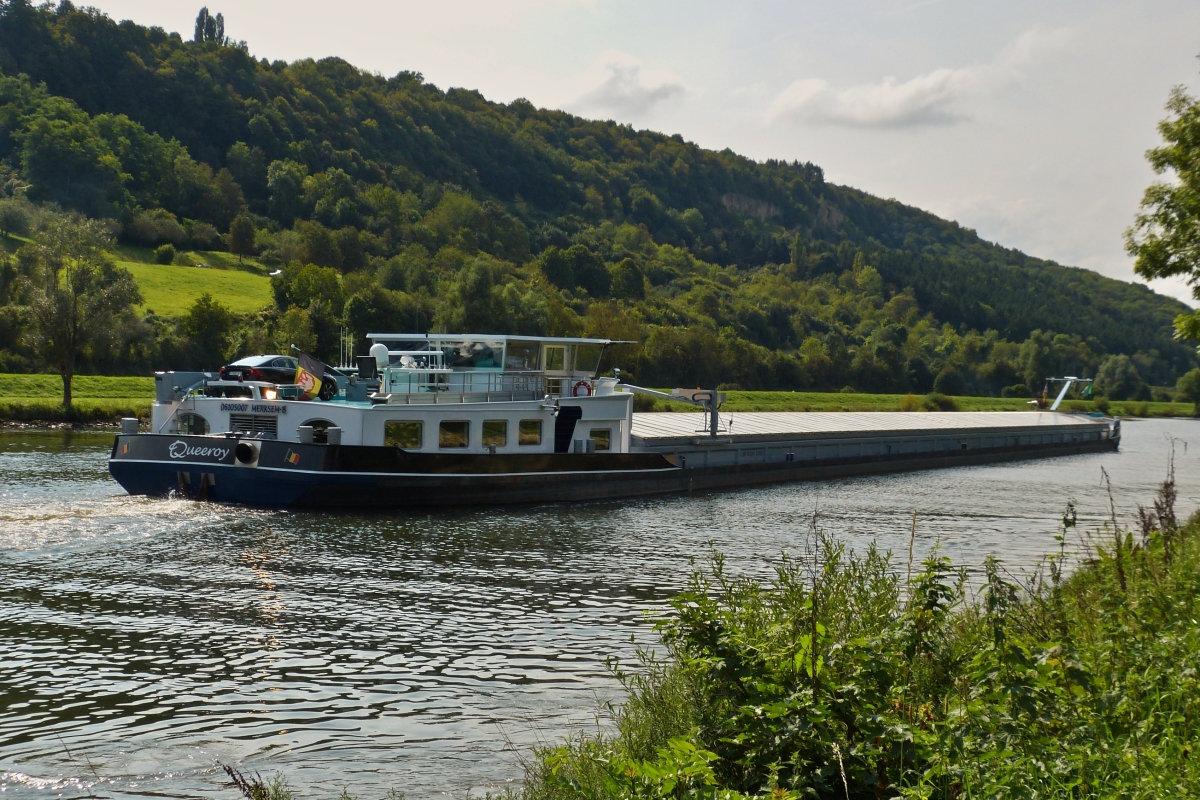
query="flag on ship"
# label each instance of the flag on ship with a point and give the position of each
(309, 375)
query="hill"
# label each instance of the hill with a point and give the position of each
(439, 208)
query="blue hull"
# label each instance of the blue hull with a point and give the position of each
(354, 477)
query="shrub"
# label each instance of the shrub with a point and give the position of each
(644, 402)
(1101, 405)
(843, 676)
(164, 254)
(935, 401)
(910, 402)
(950, 381)
(1016, 390)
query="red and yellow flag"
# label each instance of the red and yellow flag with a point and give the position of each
(309, 375)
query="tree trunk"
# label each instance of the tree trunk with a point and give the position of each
(67, 375)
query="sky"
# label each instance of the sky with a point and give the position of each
(1026, 121)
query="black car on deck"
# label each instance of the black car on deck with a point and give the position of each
(275, 369)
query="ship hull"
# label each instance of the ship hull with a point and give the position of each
(284, 474)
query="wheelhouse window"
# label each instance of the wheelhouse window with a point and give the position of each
(405, 434)
(191, 425)
(603, 438)
(495, 432)
(521, 356)
(587, 357)
(453, 433)
(556, 359)
(529, 432)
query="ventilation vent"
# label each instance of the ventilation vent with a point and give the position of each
(265, 426)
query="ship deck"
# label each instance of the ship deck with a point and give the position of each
(673, 428)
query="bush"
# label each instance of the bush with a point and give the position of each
(1016, 390)
(1101, 404)
(644, 402)
(154, 227)
(950, 381)
(910, 402)
(935, 401)
(164, 254)
(845, 676)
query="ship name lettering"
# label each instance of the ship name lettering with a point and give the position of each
(181, 449)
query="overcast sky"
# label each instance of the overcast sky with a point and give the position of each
(1026, 121)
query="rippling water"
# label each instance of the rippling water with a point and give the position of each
(142, 641)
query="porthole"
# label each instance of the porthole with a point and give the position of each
(191, 424)
(320, 428)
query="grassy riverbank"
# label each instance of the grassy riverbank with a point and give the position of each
(38, 398)
(827, 682)
(100, 398)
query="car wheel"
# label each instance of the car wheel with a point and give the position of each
(328, 389)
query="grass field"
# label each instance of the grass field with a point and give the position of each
(25, 397)
(240, 284)
(168, 290)
(30, 398)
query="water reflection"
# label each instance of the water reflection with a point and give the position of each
(154, 637)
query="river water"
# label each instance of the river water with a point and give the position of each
(144, 641)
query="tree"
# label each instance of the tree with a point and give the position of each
(241, 236)
(1118, 378)
(210, 28)
(14, 217)
(1189, 390)
(207, 325)
(74, 291)
(1165, 236)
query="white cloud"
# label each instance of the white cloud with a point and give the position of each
(618, 84)
(929, 99)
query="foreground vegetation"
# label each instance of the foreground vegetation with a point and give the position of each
(844, 677)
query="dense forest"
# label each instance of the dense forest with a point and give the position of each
(391, 204)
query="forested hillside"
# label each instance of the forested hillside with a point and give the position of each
(392, 204)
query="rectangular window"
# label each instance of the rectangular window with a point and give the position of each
(405, 434)
(603, 438)
(556, 359)
(529, 432)
(454, 433)
(495, 432)
(521, 355)
(587, 357)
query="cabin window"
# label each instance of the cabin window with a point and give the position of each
(603, 438)
(556, 359)
(405, 434)
(320, 430)
(521, 356)
(454, 433)
(529, 433)
(191, 425)
(587, 357)
(495, 432)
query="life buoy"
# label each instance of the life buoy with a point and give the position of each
(585, 386)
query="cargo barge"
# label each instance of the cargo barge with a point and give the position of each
(454, 420)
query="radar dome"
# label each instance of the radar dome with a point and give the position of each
(379, 352)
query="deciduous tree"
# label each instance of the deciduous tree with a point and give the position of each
(74, 291)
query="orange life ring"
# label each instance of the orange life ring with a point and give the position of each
(587, 389)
